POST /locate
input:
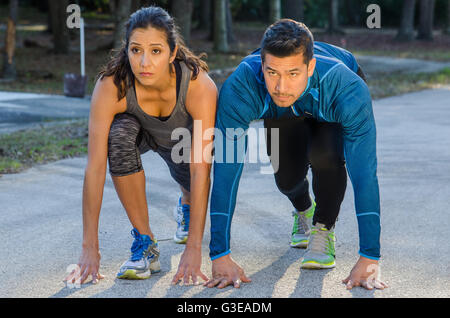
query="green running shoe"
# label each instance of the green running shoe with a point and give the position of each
(302, 227)
(320, 252)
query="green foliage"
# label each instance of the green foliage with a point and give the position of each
(249, 10)
(316, 13)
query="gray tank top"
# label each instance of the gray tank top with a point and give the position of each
(158, 130)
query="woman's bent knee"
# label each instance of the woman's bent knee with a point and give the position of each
(123, 153)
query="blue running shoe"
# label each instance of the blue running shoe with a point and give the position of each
(144, 259)
(181, 215)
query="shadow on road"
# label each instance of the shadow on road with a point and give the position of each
(360, 292)
(66, 291)
(263, 282)
(310, 283)
(130, 288)
(124, 288)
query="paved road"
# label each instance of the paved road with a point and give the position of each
(375, 65)
(41, 228)
(25, 110)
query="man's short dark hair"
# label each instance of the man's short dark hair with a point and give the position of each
(287, 37)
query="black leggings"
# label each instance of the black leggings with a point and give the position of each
(304, 142)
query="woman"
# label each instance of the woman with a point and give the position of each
(151, 87)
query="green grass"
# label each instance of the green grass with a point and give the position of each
(22, 149)
(9, 165)
(429, 55)
(396, 84)
(98, 16)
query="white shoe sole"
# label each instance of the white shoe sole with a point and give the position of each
(179, 241)
(299, 245)
(131, 274)
(314, 265)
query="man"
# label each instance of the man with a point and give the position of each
(291, 76)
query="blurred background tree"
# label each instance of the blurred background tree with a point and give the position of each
(225, 29)
(122, 10)
(182, 13)
(220, 26)
(9, 65)
(293, 9)
(332, 15)
(406, 30)
(274, 10)
(57, 17)
(426, 20)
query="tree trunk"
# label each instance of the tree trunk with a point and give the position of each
(182, 13)
(274, 10)
(353, 13)
(220, 26)
(447, 21)
(294, 9)
(333, 17)
(49, 22)
(122, 14)
(230, 34)
(57, 9)
(205, 14)
(112, 6)
(406, 30)
(426, 20)
(135, 5)
(9, 65)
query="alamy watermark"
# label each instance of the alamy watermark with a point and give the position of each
(235, 145)
(374, 19)
(73, 20)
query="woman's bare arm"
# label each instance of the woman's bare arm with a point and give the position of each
(201, 104)
(104, 106)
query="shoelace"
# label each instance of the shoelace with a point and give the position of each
(319, 241)
(138, 247)
(302, 225)
(186, 209)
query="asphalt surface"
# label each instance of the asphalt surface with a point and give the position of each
(374, 65)
(24, 110)
(41, 228)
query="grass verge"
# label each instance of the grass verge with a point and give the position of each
(438, 55)
(25, 148)
(397, 84)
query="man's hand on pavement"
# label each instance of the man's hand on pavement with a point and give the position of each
(365, 273)
(226, 272)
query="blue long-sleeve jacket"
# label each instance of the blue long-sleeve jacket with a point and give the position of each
(334, 93)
